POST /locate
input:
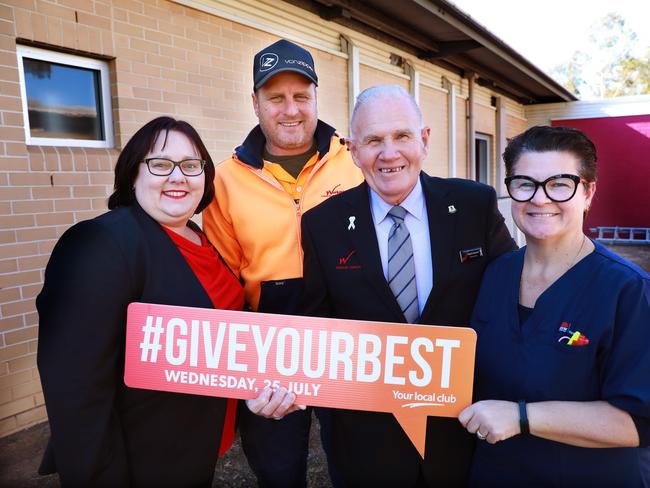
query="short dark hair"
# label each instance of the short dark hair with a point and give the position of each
(142, 142)
(543, 138)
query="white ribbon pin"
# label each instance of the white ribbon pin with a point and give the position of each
(451, 209)
(352, 219)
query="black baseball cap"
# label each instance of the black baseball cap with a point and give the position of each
(282, 56)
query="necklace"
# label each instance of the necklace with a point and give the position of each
(573, 262)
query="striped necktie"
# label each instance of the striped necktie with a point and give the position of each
(401, 268)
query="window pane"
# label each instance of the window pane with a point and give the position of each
(63, 102)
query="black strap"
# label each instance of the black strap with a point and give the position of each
(524, 427)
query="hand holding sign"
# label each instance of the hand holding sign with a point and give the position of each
(410, 370)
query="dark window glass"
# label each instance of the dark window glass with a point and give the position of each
(64, 102)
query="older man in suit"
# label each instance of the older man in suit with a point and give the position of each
(400, 247)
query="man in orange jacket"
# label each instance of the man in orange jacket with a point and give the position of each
(287, 164)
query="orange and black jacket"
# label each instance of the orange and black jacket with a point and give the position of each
(254, 220)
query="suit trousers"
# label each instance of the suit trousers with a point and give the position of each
(276, 450)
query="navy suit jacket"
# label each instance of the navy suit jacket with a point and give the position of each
(371, 449)
(104, 433)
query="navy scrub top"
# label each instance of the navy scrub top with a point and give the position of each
(607, 299)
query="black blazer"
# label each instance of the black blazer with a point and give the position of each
(102, 432)
(371, 449)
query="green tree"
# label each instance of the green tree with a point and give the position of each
(610, 67)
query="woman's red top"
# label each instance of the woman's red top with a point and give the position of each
(224, 291)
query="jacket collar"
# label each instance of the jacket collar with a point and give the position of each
(442, 227)
(251, 150)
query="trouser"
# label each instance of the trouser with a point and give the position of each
(276, 450)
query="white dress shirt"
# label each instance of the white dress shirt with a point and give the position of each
(417, 222)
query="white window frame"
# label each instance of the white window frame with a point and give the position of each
(77, 62)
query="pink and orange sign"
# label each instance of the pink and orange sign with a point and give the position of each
(410, 370)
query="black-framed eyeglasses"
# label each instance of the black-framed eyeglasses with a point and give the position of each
(558, 188)
(165, 167)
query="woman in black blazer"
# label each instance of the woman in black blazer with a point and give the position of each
(145, 250)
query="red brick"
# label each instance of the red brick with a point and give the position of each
(134, 5)
(9, 380)
(128, 29)
(21, 364)
(104, 178)
(5, 395)
(146, 46)
(94, 21)
(16, 221)
(17, 308)
(158, 37)
(52, 10)
(16, 134)
(8, 266)
(16, 250)
(32, 262)
(30, 291)
(6, 13)
(143, 21)
(21, 335)
(71, 204)
(20, 278)
(33, 416)
(39, 399)
(30, 179)
(36, 234)
(32, 206)
(16, 406)
(90, 214)
(54, 31)
(11, 323)
(31, 319)
(70, 179)
(13, 119)
(9, 295)
(147, 93)
(15, 351)
(45, 247)
(25, 389)
(156, 60)
(45, 192)
(8, 73)
(8, 426)
(7, 237)
(54, 218)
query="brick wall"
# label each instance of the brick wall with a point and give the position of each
(165, 59)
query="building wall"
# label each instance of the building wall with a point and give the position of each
(165, 58)
(623, 146)
(433, 104)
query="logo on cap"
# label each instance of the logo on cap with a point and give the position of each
(268, 61)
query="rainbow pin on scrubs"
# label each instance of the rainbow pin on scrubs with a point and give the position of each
(575, 339)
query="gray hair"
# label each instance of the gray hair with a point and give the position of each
(377, 92)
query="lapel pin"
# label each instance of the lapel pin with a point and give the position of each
(352, 219)
(451, 209)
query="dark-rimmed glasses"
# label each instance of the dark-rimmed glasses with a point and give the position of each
(165, 167)
(558, 188)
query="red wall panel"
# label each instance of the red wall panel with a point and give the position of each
(623, 191)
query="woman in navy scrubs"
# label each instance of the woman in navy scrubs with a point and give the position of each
(563, 357)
